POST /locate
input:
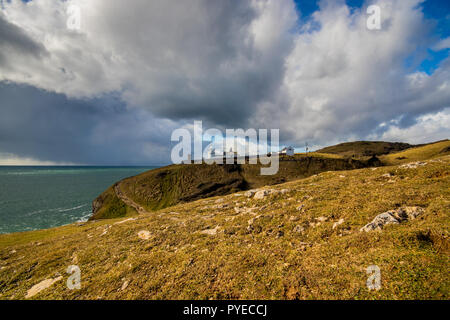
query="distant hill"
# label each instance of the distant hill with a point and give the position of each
(418, 153)
(366, 148)
(171, 185)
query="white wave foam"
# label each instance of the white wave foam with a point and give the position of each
(74, 208)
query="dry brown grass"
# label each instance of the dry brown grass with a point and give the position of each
(270, 260)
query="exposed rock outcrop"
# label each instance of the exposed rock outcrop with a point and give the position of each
(413, 165)
(144, 234)
(47, 283)
(393, 217)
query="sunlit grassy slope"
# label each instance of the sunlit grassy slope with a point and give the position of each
(283, 246)
(365, 148)
(168, 186)
(428, 151)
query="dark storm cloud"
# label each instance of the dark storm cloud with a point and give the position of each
(13, 40)
(47, 126)
(230, 63)
(214, 64)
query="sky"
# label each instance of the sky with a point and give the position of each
(112, 91)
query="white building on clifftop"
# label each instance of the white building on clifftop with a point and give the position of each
(289, 151)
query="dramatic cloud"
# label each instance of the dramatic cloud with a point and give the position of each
(37, 125)
(424, 130)
(112, 91)
(16, 42)
(210, 59)
(342, 80)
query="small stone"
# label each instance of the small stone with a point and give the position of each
(222, 206)
(261, 194)
(299, 229)
(250, 193)
(294, 218)
(211, 232)
(338, 223)
(413, 165)
(144, 234)
(41, 286)
(322, 219)
(125, 285)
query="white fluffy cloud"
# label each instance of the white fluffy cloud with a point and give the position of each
(343, 80)
(427, 128)
(236, 63)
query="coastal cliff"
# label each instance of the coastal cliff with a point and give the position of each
(310, 238)
(168, 186)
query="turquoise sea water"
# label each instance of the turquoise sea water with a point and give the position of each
(34, 198)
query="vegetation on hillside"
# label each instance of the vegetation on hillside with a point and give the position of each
(428, 151)
(168, 186)
(300, 241)
(365, 148)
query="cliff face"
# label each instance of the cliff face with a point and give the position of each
(171, 185)
(109, 205)
(168, 186)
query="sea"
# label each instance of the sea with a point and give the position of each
(37, 197)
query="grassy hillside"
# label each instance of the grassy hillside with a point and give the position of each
(164, 187)
(428, 151)
(301, 242)
(168, 186)
(365, 148)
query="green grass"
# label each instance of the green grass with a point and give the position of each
(418, 154)
(112, 207)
